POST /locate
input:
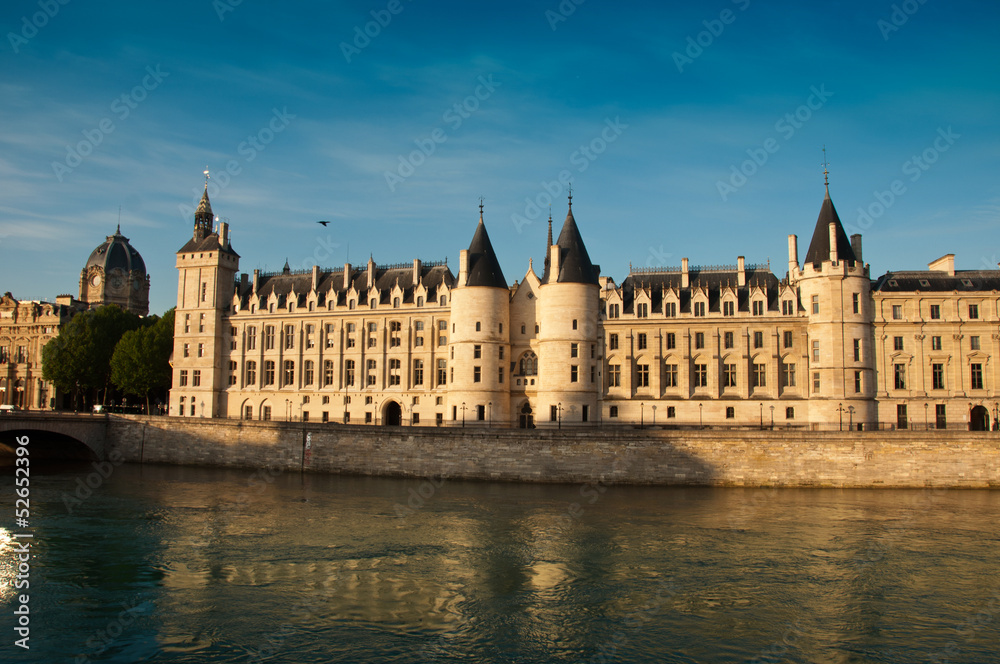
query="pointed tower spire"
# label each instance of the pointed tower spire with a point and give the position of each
(203, 216)
(484, 268)
(574, 261)
(826, 173)
(819, 247)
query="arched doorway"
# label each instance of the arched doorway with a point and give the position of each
(526, 420)
(979, 419)
(392, 414)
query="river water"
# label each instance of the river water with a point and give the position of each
(171, 564)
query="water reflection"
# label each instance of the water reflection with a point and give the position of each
(236, 565)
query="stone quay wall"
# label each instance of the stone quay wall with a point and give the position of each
(614, 456)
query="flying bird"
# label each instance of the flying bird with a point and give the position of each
(323, 222)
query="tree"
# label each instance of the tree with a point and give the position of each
(80, 357)
(141, 361)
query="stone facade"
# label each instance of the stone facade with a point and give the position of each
(687, 346)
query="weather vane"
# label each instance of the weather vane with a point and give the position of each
(826, 168)
(207, 176)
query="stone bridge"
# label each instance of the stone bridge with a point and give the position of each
(55, 435)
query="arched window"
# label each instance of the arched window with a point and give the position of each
(528, 365)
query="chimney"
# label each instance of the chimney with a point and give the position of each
(224, 235)
(685, 280)
(554, 262)
(256, 280)
(944, 264)
(347, 276)
(315, 278)
(463, 266)
(856, 247)
(416, 271)
(243, 283)
(833, 242)
(371, 272)
(793, 253)
(741, 271)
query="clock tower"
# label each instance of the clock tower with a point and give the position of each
(116, 274)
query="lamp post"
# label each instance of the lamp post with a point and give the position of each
(772, 418)
(850, 409)
(996, 416)
(463, 414)
(762, 416)
(654, 415)
(490, 421)
(927, 424)
(642, 413)
(840, 410)
(559, 407)
(701, 415)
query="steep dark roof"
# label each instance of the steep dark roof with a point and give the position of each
(819, 248)
(936, 281)
(209, 243)
(714, 282)
(484, 268)
(574, 261)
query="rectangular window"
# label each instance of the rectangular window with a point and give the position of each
(183, 379)
(269, 372)
(816, 382)
(642, 375)
(699, 339)
(815, 304)
(671, 309)
(251, 338)
(787, 308)
(787, 338)
(288, 372)
(442, 377)
(574, 323)
(670, 375)
(232, 372)
(310, 372)
(641, 341)
(857, 350)
(187, 323)
(394, 367)
(328, 372)
(974, 343)
(758, 339)
(727, 339)
(729, 375)
(671, 341)
(973, 311)
(977, 377)
(897, 312)
(269, 337)
(730, 413)
(201, 350)
(856, 301)
(897, 343)
(701, 375)
(477, 352)
(759, 375)
(902, 421)
(900, 372)
(642, 310)
(612, 342)
(289, 337)
(187, 351)
(815, 351)
(614, 311)
(574, 350)
(935, 311)
(348, 372)
(500, 375)
(699, 308)
(418, 372)
(858, 386)
(758, 308)
(935, 343)
(477, 374)
(940, 416)
(788, 375)
(251, 367)
(614, 375)
(201, 322)
(937, 376)
(728, 308)
(574, 374)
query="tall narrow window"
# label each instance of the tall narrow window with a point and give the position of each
(977, 377)
(699, 308)
(856, 301)
(900, 374)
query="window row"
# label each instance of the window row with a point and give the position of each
(698, 340)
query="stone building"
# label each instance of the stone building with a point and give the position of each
(415, 344)
(114, 274)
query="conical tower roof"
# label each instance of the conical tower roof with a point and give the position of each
(484, 268)
(819, 247)
(574, 261)
(203, 216)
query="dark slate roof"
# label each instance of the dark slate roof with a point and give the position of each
(937, 281)
(713, 282)
(484, 268)
(819, 248)
(116, 252)
(574, 261)
(208, 243)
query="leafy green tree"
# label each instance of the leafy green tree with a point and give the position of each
(141, 361)
(80, 357)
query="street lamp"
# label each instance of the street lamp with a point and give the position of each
(850, 409)
(654, 415)
(701, 416)
(490, 424)
(772, 418)
(840, 409)
(463, 414)
(559, 406)
(762, 416)
(927, 424)
(642, 413)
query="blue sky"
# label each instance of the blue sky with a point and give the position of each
(649, 109)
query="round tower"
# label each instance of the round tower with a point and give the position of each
(479, 390)
(835, 290)
(568, 311)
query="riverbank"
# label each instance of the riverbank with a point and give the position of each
(747, 458)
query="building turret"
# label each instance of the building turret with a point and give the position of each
(480, 339)
(207, 267)
(568, 311)
(834, 287)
